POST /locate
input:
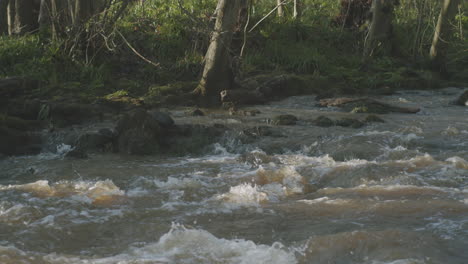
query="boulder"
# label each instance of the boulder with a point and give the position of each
(463, 99)
(262, 131)
(95, 141)
(17, 142)
(323, 121)
(15, 86)
(365, 105)
(164, 119)
(139, 133)
(197, 112)
(64, 114)
(19, 137)
(76, 154)
(284, 120)
(373, 119)
(349, 122)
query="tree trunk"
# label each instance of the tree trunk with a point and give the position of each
(442, 34)
(217, 74)
(24, 20)
(83, 11)
(57, 15)
(380, 31)
(11, 10)
(297, 9)
(3, 17)
(280, 8)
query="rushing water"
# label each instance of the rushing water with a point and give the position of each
(394, 192)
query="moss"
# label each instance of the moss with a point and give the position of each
(178, 93)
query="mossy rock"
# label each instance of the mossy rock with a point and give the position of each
(373, 119)
(284, 120)
(463, 99)
(323, 121)
(350, 122)
(177, 93)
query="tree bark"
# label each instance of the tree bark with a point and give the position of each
(380, 31)
(217, 73)
(442, 34)
(24, 19)
(3, 17)
(297, 9)
(11, 10)
(83, 11)
(57, 15)
(280, 8)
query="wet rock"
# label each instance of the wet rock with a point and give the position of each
(100, 141)
(65, 114)
(262, 131)
(284, 120)
(257, 158)
(323, 121)
(17, 142)
(350, 122)
(19, 136)
(77, 154)
(373, 119)
(234, 111)
(15, 86)
(185, 139)
(463, 99)
(164, 119)
(366, 105)
(242, 96)
(25, 109)
(138, 133)
(197, 112)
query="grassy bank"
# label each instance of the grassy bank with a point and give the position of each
(175, 38)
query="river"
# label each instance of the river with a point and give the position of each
(393, 192)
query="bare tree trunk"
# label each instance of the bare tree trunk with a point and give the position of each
(218, 74)
(11, 10)
(25, 19)
(380, 31)
(280, 8)
(56, 15)
(442, 34)
(83, 11)
(3, 17)
(297, 9)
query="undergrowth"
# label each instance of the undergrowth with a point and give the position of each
(176, 37)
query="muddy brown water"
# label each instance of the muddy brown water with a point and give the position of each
(393, 192)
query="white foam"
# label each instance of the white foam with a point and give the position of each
(179, 245)
(175, 183)
(244, 194)
(91, 191)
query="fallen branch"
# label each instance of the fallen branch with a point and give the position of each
(136, 52)
(267, 15)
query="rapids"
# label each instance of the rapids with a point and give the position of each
(393, 192)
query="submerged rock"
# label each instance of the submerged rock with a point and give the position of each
(197, 112)
(350, 122)
(76, 154)
(284, 120)
(366, 105)
(323, 121)
(138, 133)
(373, 119)
(463, 99)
